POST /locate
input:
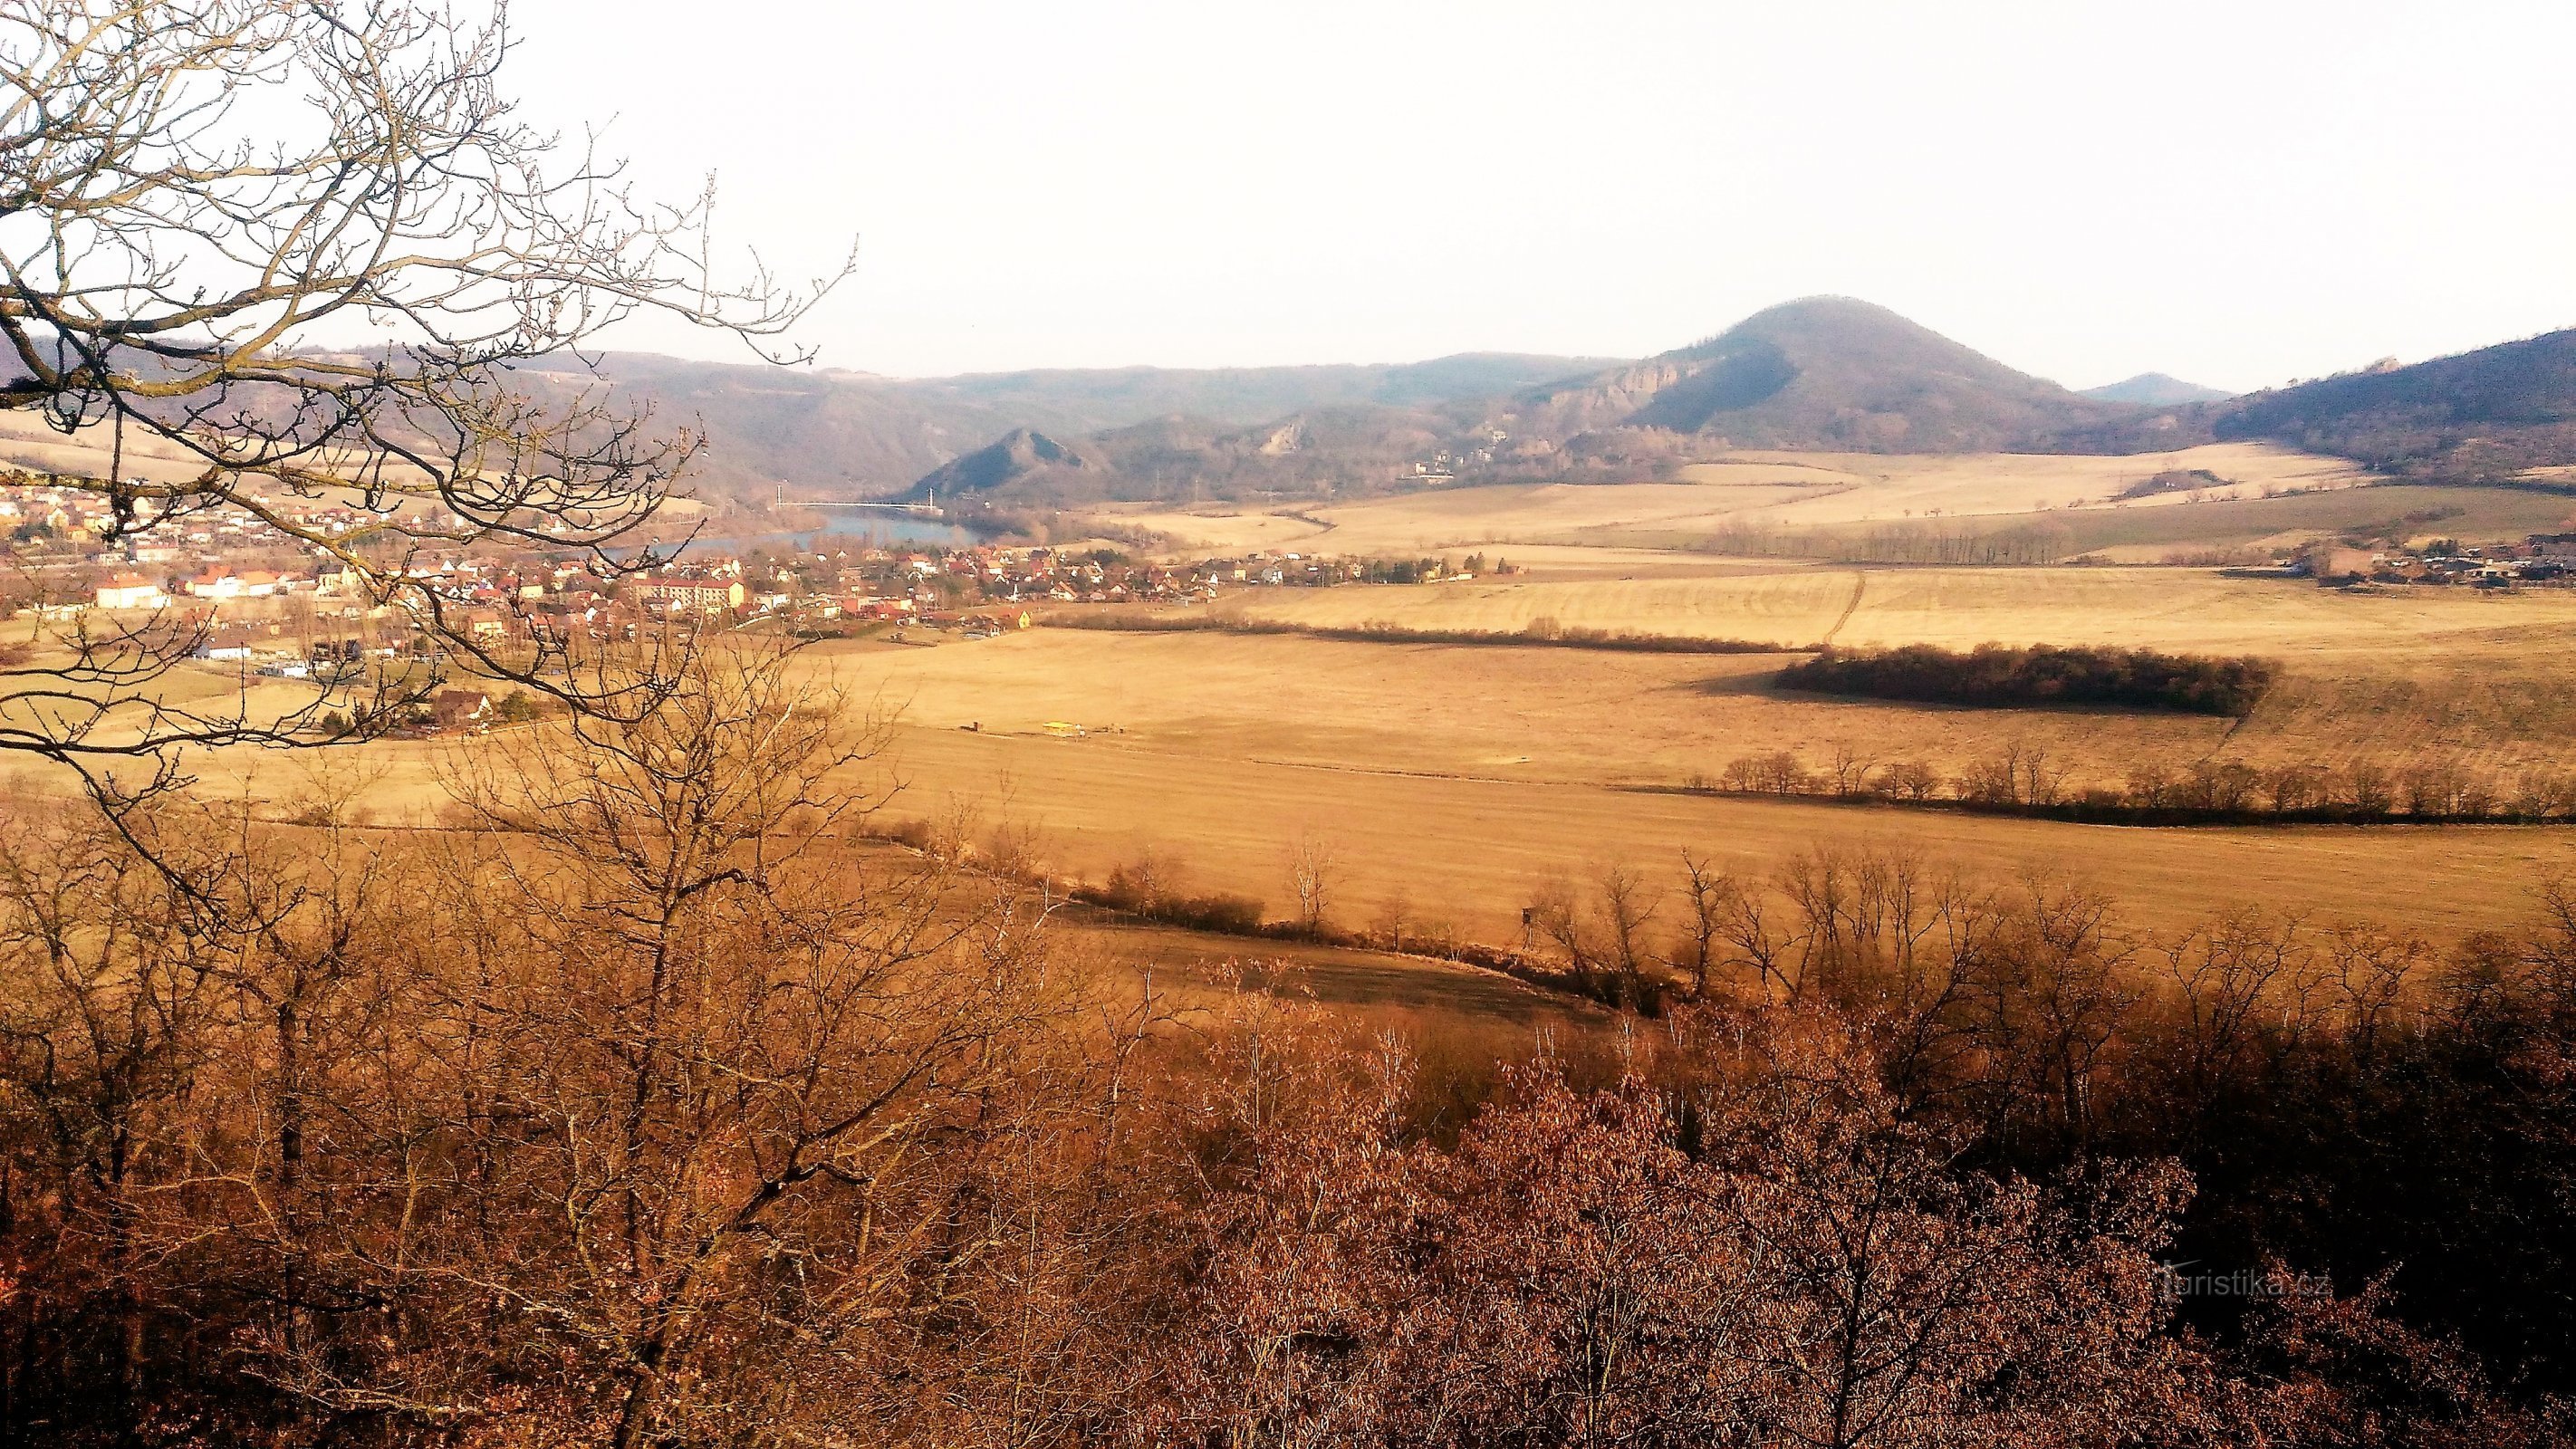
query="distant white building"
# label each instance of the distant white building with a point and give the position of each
(131, 591)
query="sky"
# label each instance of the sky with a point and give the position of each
(2239, 194)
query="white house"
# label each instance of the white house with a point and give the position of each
(131, 591)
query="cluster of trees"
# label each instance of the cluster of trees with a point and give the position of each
(1400, 570)
(2017, 775)
(1149, 886)
(2002, 676)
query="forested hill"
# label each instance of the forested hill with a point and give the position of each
(1823, 372)
(2496, 413)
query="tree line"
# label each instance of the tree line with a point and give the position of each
(2021, 777)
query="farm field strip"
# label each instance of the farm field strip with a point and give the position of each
(1743, 490)
(2174, 609)
(1476, 851)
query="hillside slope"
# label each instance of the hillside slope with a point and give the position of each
(2498, 413)
(1186, 460)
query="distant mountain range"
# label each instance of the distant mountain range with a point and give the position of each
(816, 433)
(1823, 373)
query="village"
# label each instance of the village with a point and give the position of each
(2545, 559)
(265, 602)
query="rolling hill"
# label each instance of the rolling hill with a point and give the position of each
(1823, 372)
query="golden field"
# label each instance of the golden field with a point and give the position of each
(1798, 607)
(1747, 490)
(1469, 851)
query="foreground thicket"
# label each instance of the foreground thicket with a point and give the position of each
(646, 1116)
(2351, 1101)
(648, 1111)
(1997, 675)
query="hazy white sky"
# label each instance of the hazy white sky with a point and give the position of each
(2238, 193)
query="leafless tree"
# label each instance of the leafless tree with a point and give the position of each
(298, 246)
(1628, 905)
(1707, 893)
(1909, 780)
(1394, 917)
(1849, 766)
(1555, 915)
(1311, 876)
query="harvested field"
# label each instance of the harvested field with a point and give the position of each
(1472, 852)
(2170, 529)
(1749, 490)
(2173, 609)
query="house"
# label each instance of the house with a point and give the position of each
(461, 709)
(131, 591)
(709, 595)
(217, 582)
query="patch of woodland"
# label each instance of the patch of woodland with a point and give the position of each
(1999, 676)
